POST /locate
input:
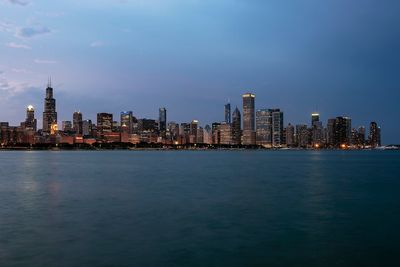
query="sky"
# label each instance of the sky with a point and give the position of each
(337, 57)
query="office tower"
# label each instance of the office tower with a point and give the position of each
(330, 132)
(314, 118)
(236, 127)
(216, 133)
(30, 121)
(77, 122)
(127, 122)
(249, 129)
(290, 141)
(200, 135)
(162, 120)
(207, 135)
(147, 125)
(87, 129)
(228, 113)
(49, 114)
(66, 126)
(342, 132)
(173, 129)
(264, 127)
(104, 123)
(302, 135)
(193, 131)
(225, 132)
(277, 127)
(361, 136)
(374, 135)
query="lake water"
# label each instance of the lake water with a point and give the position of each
(211, 208)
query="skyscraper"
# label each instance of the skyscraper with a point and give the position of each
(228, 113)
(374, 134)
(249, 129)
(49, 114)
(290, 141)
(77, 122)
(316, 130)
(162, 120)
(87, 128)
(104, 122)
(314, 118)
(277, 127)
(127, 122)
(236, 127)
(264, 127)
(342, 132)
(30, 121)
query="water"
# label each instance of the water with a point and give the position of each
(248, 208)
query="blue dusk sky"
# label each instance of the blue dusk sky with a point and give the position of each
(338, 57)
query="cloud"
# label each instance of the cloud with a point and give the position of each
(44, 61)
(18, 46)
(29, 32)
(20, 70)
(6, 26)
(18, 2)
(97, 44)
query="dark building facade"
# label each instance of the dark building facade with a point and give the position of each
(236, 127)
(77, 122)
(228, 118)
(374, 134)
(104, 123)
(49, 114)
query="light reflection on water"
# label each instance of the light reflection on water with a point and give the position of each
(238, 208)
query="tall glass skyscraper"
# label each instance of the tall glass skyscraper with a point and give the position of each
(162, 124)
(228, 113)
(49, 114)
(249, 127)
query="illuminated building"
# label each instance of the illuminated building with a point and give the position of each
(374, 135)
(207, 135)
(228, 113)
(236, 127)
(225, 133)
(342, 132)
(66, 126)
(249, 129)
(193, 131)
(77, 122)
(264, 127)
(104, 123)
(316, 130)
(87, 128)
(49, 114)
(216, 133)
(302, 135)
(30, 121)
(330, 132)
(277, 127)
(290, 137)
(127, 122)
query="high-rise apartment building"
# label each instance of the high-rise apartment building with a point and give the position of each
(104, 123)
(374, 135)
(77, 122)
(127, 122)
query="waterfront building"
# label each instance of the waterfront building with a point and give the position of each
(228, 113)
(87, 128)
(207, 135)
(374, 135)
(147, 125)
(290, 136)
(264, 127)
(104, 123)
(66, 126)
(216, 133)
(342, 132)
(236, 127)
(49, 114)
(162, 120)
(77, 122)
(30, 121)
(302, 135)
(127, 122)
(225, 133)
(249, 129)
(200, 135)
(277, 127)
(193, 131)
(330, 132)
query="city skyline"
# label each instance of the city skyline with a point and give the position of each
(147, 59)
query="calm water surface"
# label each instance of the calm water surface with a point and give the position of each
(248, 208)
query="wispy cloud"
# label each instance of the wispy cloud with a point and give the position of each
(31, 31)
(18, 2)
(20, 70)
(44, 61)
(6, 26)
(97, 44)
(18, 46)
